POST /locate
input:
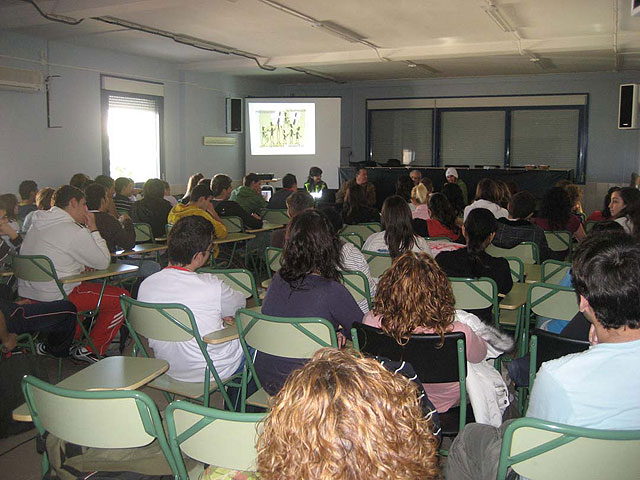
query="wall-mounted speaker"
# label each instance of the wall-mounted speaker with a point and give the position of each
(628, 107)
(234, 115)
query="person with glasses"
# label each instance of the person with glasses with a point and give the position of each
(213, 302)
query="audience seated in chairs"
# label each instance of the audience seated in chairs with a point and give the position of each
(211, 300)
(595, 388)
(307, 285)
(28, 190)
(345, 417)
(60, 234)
(555, 214)
(248, 195)
(442, 222)
(296, 203)
(356, 208)
(278, 199)
(43, 202)
(415, 296)
(153, 208)
(488, 196)
(473, 262)
(397, 235)
(221, 191)
(625, 209)
(605, 213)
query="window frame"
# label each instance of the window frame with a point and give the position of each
(436, 138)
(104, 101)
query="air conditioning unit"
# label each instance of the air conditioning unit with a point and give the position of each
(21, 80)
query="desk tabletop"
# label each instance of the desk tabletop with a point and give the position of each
(266, 227)
(532, 273)
(140, 249)
(112, 270)
(234, 237)
(111, 373)
(516, 298)
(227, 334)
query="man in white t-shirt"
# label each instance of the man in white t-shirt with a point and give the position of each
(598, 388)
(212, 302)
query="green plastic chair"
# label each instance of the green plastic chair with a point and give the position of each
(517, 268)
(363, 229)
(212, 437)
(173, 322)
(358, 286)
(39, 268)
(239, 279)
(279, 217)
(283, 337)
(233, 224)
(96, 419)
(553, 271)
(560, 241)
(144, 234)
(478, 293)
(273, 257)
(539, 449)
(589, 225)
(525, 251)
(378, 262)
(353, 237)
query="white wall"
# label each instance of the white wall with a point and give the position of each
(194, 106)
(612, 154)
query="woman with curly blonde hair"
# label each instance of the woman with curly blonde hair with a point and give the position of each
(415, 296)
(342, 416)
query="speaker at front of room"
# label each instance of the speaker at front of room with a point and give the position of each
(628, 106)
(234, 115)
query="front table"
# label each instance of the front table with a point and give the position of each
(111, 373)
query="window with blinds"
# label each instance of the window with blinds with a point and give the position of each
(392, 131)
(133, 136)
(545, 137)
(473, 138)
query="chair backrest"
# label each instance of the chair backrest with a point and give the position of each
(273, 257)
(36, 268)
(167, 229)
(353, 237)
(358, 286)
(363, 229)
(213, 437)
(545, 346)
(102, 419)
(589, 225)
(233, 224)
(378, 262)
(278, 217)
(284, 337)
(552, 301)
(169, 322)
(559, 240)
(517, 268)
(525, 251)
(144, 234)
(553, 271)
(239, 279)
(432, 361)
(541, 449)
(475, 293)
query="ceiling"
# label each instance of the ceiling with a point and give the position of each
(299, 41)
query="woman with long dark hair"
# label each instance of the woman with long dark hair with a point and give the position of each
(605, 213)
(397, 235)
(443, 218)
(488, 196)
(555, 214)
(355, 208)
(473, 262)
(191, 183)
(454, 194)
(307, 285)
(625, 209)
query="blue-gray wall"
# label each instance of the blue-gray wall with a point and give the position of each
(612, 154)
(194, 106)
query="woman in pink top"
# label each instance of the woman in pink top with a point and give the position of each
(415, 296)
(420, 200)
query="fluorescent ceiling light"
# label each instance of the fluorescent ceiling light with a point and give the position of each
(495, 15)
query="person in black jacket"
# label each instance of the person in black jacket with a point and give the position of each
(473, 262)
(221, 188)
(153, 208)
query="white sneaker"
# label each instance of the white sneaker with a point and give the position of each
(84, 355)
(41, 349)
